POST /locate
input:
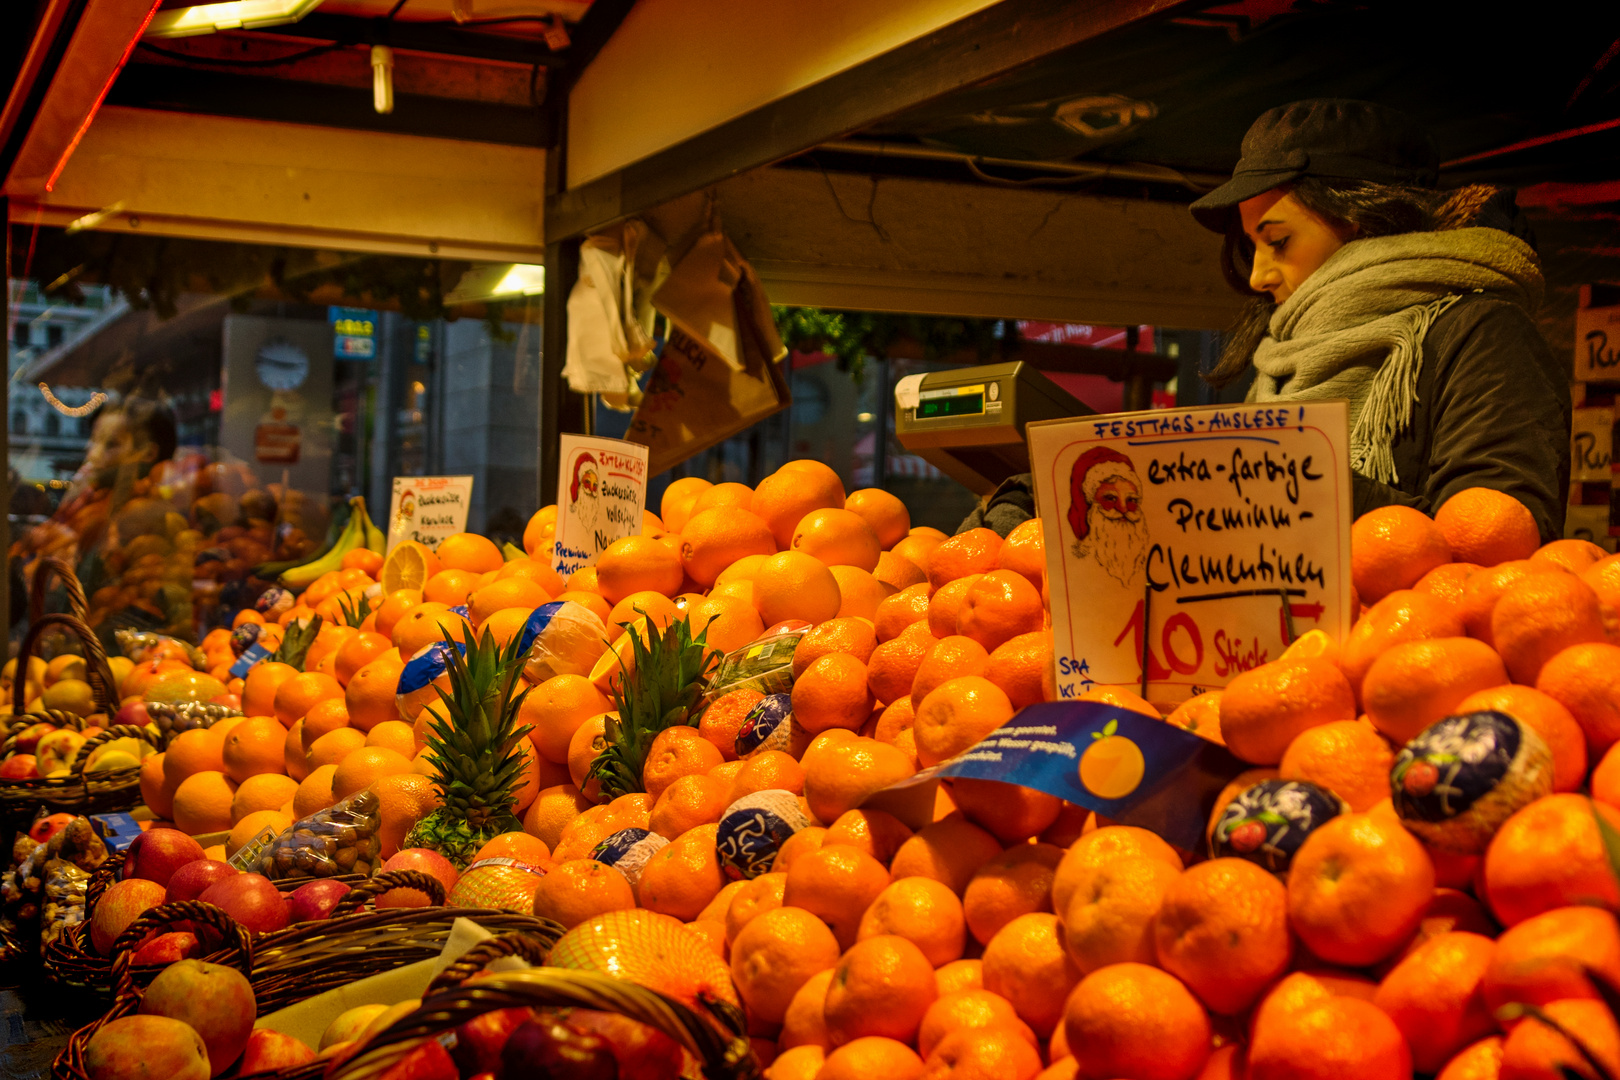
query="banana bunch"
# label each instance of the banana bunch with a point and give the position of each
(359, 532)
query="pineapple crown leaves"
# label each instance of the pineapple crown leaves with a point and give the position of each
(354, 613)
(295, 643)
(476, 744)
(660, 689)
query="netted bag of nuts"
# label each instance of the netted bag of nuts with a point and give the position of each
(341, 839)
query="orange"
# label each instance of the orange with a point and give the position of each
(202, 802)
(513, 592)
(450, 587)
(1546, 957)
(883, 513)
(918, 544)
(1301, 989)
(370, 694)
(526, 849)
(252, 825)
(1536, 1051)
(360, 767)
(191, 752)
(1483, 588)
(831, 693)
(676, 752)
(803, 1061)
(1541, 616)
(729, 496)
(358, 651)
(589, 740)
(1265, 709)
(724, 717)
(775, 954)
(1137, 1021)
(1550, 720)
(895, 726)
(1401, 616)
(1026, 964)
(424, 624)
(881, 986)
(259, 689)
(1348, 757)
(1011, 813)
(1016, 882)
(838, 538)
(836, 883)
(1417, 683)
(675, 507)
(948, 851)
(1604, 578)
(893, 666)
(598, 606)
(945, 605)
(953, 657)
(716, 539)
(876, 832)
(582, 580)
(295, 696)
(998, 607)
(1021, 667)
(839, 777)
(409, 566)
(254, 746)
(1481, 1061)
(1201, 715)
(393, 608)
(784, 498)
(764, 771)
(333, 747)
(1112, 905)
(872, 1056)
(506, 624)
(1357, 888)
(1574, 556)
(263, 791)
(684, 875)
(901, 610)
(1585, 679)
(793, 585)
(1448, 582)
(551, 812)
(638, 564)
(536, 570)
(742, 570)
(1024, 552)
(754, 898)
(330, 638)
(1549, 855)
(1222, 928)
(395, 735)
(656, 607)
(1435, 997)
(899, 572)
(960, 975)
(971, 552)
(314, 791)
(1487, 527)
(1391, 548)
(859, 593)
(957, 714)
(584, 832)
(470, 552)
(555, 709)
(581, 889)
(1333, 1039)
(726, 623)
(972, 1011)
(854, 637)
(1099, 847)
(923, 911)
(403, 799)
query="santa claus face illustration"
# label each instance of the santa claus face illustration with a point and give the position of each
(1105, 513)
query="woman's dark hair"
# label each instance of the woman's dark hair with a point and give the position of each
(1365, 208)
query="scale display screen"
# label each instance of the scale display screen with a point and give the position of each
(956, 401)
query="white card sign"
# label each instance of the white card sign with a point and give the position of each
(428, 508)
(1591, 448)
(601, 492)
(1597, 344)
(1174, 539)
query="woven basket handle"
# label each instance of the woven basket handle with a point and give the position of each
(62, 719)
(117, 731)
(97, 673)
(44, 568)
(102, 878)
(237, 940)
(375, 886)
(524, 946)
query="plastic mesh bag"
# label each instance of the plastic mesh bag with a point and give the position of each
(341, 839)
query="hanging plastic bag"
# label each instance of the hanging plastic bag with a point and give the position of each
(341, 839)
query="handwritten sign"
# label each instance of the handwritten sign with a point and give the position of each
(427, 509)
(601, 492)
(1187, 546)
(1597, 344)
(1591, 445)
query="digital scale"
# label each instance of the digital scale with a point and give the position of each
(969, 422)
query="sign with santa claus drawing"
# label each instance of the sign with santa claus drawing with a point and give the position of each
(601, 492)
(1186, 546)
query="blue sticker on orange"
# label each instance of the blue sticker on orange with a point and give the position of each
(1125, 766)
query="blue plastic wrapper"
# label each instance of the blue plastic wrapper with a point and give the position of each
(754, 828)
(768, 726)
(628, 850)
(562, 638)
(1268, 821)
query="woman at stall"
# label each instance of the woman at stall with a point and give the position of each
(1415, 304)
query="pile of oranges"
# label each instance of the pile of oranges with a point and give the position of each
(1016, 935)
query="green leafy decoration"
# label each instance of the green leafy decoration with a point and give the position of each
(354, 613)
(295, 643)
(1107, 732)
(852, 336)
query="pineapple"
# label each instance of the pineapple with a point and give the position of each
(295, 643)
(661, 689)
(475, 751)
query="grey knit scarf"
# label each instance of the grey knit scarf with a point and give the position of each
(1355, 328)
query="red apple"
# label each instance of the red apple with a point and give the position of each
(233, 701)
(251, 900)
(19, 767)
(640, 1050)
(139, 1047)
(429, 862)
(315, 900)
(120, 905)
(133, 713)
(157, 853)
(217, 1001)
(479, 1040)
(268, 1050)
(429, 1061)
(28, 738)
(46, 827)
(166, 948)
(193, 879)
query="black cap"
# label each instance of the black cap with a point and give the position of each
(1326, 137)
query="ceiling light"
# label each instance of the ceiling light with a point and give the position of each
(498, 281)
(382, 79)
(232, 15)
